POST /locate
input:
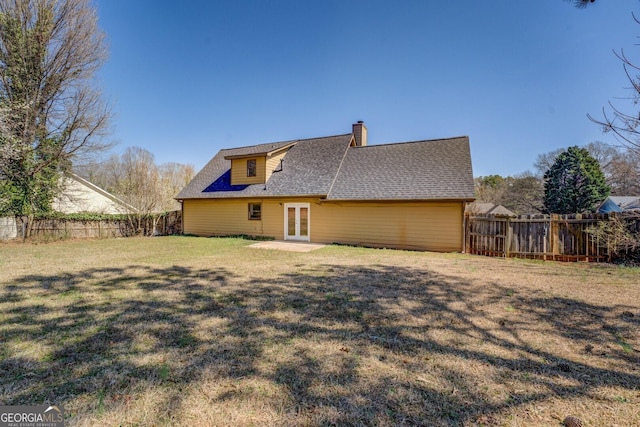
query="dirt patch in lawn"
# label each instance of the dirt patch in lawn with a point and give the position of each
(188, 331)
(279, 245)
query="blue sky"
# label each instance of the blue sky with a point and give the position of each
(186, 79)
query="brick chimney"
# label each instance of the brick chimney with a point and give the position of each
(360, 134)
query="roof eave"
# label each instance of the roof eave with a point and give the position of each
(259, 154)
(406, 200)
(258, 196)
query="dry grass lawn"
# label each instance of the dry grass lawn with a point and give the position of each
(209, 332)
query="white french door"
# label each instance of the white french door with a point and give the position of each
(296, 221)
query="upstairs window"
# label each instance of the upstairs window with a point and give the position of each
(251, 167)
(255, 211)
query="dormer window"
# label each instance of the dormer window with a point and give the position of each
(256, 167)
(251, 167)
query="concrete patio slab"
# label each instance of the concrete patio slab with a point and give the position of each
(288, 246)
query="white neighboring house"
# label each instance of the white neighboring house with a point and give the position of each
(8, 228)
(626, 203)
(79, 195)
(488, 208)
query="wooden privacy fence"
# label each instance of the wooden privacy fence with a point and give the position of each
(60, 228)
(548, 237)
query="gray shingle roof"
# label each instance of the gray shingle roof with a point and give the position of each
(488, 208)
(308, 169)
(218, 166)
(420, 170)
(328, 167)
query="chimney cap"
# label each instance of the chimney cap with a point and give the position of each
(360, 121)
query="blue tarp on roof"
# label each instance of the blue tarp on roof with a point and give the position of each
(609, 206)
(223, 184)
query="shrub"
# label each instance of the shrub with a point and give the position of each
(614, 235)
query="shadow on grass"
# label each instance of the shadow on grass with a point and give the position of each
(378, 345)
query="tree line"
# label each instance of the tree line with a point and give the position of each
(576, 179)
(136, 178)
(597, 169)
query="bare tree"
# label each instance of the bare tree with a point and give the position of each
(624, 125)
(174, 177)
(50, 51)
(544, 161)
(623, 173)
(524, 193)
(603, 153)
(135, 178)
(101, 172)
(149, 187)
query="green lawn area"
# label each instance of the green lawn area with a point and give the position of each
(174, 331)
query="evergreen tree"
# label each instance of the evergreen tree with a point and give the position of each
(574, 183)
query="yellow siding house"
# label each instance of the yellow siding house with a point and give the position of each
(336, 189)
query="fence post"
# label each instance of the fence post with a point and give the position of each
(545, 238)
(554, 236)
(509, 231)
(465, 231)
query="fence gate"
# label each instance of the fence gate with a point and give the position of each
(486, 235)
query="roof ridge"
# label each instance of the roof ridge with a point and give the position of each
(258, 145)
(289, 141)
(325, 137)
(413, 142)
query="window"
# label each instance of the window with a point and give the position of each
(251, 167)
(255, 211)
